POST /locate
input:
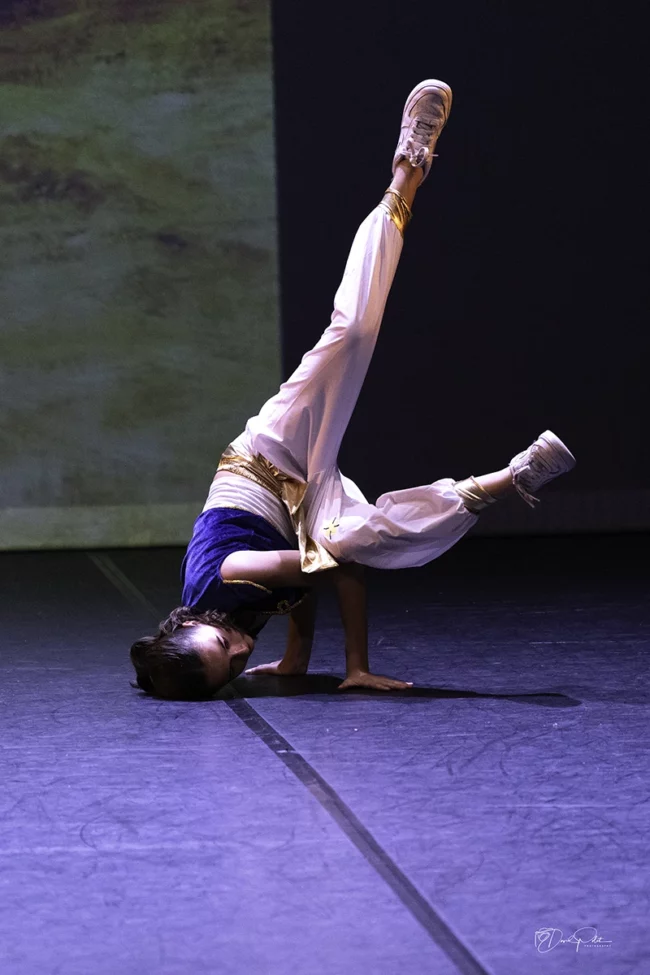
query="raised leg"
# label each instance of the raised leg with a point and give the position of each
(300, 428)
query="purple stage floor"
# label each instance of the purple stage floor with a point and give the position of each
(284, 829)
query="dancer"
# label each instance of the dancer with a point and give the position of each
(281, 520)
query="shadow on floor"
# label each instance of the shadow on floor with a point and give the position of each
(320, 684)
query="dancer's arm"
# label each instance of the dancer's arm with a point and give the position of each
(277, 569)
(300, 639)
(350, 585)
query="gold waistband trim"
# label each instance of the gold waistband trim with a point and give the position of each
(288, 490)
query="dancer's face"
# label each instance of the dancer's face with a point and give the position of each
(224, 651)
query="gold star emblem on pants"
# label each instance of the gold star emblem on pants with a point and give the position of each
(331, 526)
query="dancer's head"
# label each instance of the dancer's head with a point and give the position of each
(191, 656)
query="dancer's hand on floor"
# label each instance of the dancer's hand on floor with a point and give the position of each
(279, 667)
(375, 682)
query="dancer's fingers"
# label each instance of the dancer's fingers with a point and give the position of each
(271, 668)
(374, 682)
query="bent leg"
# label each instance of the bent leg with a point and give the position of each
(300, 428)
(403, 529)
(414, 526)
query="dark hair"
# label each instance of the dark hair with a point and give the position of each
(168, 664)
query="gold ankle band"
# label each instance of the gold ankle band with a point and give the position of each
(397, 208)
(475, 498)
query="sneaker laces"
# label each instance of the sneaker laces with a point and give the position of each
(530, 499)
(416, 146)
(535, 458)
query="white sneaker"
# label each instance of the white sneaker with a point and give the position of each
(545, 459)
(423, 119)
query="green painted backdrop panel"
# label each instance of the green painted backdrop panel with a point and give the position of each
(138, 294)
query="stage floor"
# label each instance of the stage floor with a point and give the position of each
(285, 829)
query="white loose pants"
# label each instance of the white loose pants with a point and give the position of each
(300, 428)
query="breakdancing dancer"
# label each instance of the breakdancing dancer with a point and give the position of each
(281, 520)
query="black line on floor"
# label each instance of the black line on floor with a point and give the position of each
(417, 905)
(376, 856)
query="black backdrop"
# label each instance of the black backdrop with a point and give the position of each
(517, 305)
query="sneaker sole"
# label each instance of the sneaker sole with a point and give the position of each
(559, 451)
(430, 83)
